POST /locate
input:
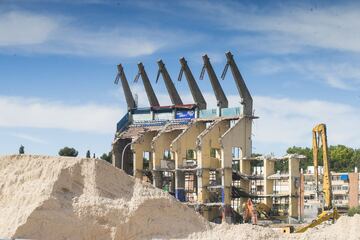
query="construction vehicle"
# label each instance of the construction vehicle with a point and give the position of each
(328, 211)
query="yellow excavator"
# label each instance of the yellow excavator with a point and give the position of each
(329, 212)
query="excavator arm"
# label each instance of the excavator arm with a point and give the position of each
(329, 212)
(319, 134)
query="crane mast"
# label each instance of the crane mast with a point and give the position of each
(247, 100)
(222, 101)
(174, 95)
(153, 101)
(194, 88)
(131, 104)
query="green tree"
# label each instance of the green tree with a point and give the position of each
(107, 157)
(88, 154)
(68, 152)
(341, 158)
(354, 210)
(355, 159)
(21, 149)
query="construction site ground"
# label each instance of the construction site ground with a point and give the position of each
(44, 197)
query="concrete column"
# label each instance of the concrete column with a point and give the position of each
(294, 187)
(301, 197)
(238, 136)
(353, 189)
(179, 146)
(139, 146)
(159, 144)
(269, 169)
(203, 175)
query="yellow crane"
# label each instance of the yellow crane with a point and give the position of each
(328, 210)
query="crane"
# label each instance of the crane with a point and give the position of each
(328, 210)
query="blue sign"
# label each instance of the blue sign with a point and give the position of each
(185, 114)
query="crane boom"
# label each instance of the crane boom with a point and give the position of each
(153, 101)
(247, 100)
(174, 95)
(319, 133)
(194, 88)
(131, 104)
(222, 101)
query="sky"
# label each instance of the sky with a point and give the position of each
(300, 61)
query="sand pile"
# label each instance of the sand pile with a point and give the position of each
(346, 228)
(72, 198)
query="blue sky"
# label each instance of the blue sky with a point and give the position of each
(58, 61)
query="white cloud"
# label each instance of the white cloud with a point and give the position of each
(337, 74)
(36, 33)
(19, 28)
(37, 113)
(288, 27)
(28, 138)
(288, 121)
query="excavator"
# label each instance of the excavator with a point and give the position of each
(328, 211)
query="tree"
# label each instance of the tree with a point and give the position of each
(88, 154)
(68, 152)
(342, 158)
(21, 149)
(354, 210)
(107, 157)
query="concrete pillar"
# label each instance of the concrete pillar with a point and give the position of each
(121, 148)
(353, 189)
(294, 186)
(269, 169)
(179, 147)
(203, 175)
(159, 144)
(139, 146)
(238, 136)
(301, 197)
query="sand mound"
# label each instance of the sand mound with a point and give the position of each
(346, 228)
(72, 198)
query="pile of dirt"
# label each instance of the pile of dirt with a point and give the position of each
(346, 228)
(73, 198)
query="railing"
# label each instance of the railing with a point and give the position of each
(209, 113)
(229, 112)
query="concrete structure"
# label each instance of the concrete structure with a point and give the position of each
(202, 156)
